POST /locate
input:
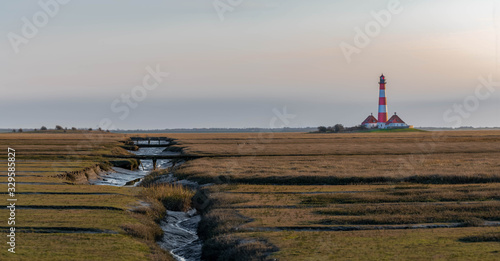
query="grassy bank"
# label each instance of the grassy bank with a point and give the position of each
(47, 166)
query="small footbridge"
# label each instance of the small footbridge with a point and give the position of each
(151, 141)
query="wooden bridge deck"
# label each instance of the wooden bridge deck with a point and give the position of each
(184, 157)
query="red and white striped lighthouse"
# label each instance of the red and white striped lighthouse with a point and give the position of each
(383, 122)
(382, 102)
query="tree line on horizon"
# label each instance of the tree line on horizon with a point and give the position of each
(339, 128)
(59, 128)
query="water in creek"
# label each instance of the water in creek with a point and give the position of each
(179, 228)
(119, 176)
(180, 235)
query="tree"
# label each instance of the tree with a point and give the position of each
(338, 128)
(58, 127)
(43, 128)
(20, 130)
(322, 129)
(73, 128)
(13, 130)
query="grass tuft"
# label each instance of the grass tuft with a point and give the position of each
(173, 197)
(227, 247)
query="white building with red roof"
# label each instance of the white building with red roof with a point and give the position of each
(370, 122)
(396, 122)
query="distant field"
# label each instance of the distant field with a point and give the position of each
(379, 195)
(341, 144)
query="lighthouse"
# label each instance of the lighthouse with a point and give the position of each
(383, 122)
(382, 104)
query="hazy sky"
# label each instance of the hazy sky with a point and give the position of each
(262, 56)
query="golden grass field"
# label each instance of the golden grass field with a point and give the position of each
(292, 194)
(285, 196)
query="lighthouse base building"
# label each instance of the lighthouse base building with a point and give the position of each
(370, 122)
(395, 122)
